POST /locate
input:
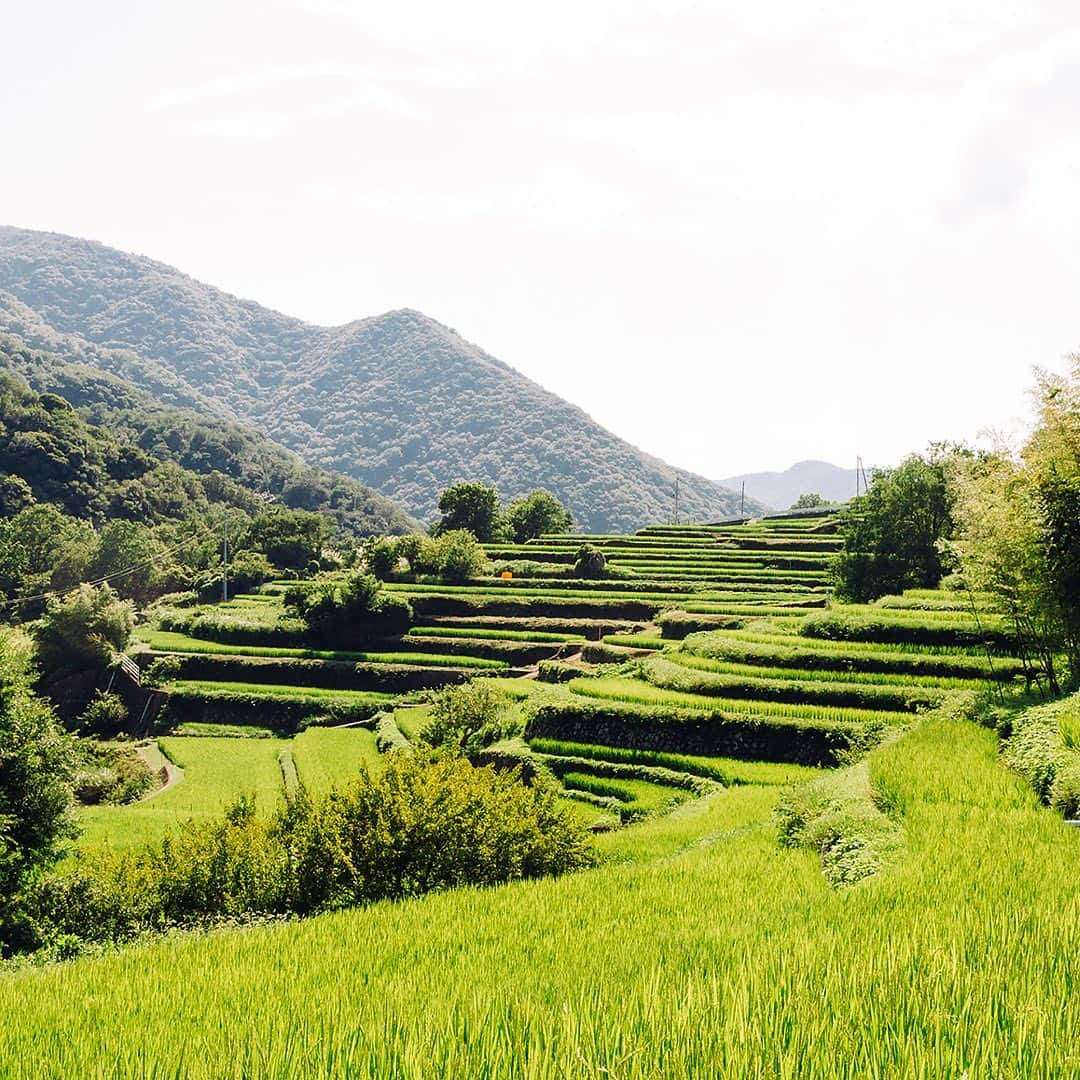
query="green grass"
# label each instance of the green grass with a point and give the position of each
(637, 796)
(699, 949)
(619, 688)
(329, 757)
(170, 641)
(410, 720)
(636, 641)
(216, 771)
(725, 770)
(481, 633)
(209, 689)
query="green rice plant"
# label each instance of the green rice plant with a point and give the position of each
(638, 796)
(664, 671)
(955, 960)
(214, 772)
(727, 771)
(619, 688)
(635, 641)
(329, 757)
(494, 635)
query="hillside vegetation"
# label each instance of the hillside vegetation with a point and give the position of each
(399, 401)
(155, 439)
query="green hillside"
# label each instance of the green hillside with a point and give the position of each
(113, 419)
(399, 401)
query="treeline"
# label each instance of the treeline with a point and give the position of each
(211, 448)
(1002, 522)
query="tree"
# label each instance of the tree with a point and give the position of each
(469, 506)
(810, 501)
(460, 556)
(290, 539)
(84, 629)
(893, 533)
(1018, 533)
(535, 514)
(37, 761)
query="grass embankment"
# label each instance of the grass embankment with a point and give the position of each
(708, 952)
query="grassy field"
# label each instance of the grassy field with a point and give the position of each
(700, 949)
(328, 757)
(215, 772)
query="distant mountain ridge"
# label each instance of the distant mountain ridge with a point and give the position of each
(397, 401)
(779, 490)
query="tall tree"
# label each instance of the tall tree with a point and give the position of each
(469, 506)
(892, 534)
(535, 514)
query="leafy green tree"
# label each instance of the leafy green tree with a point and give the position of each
(82, 630)
(290, 539)
(382, 557)
(459, 556)
(893, 533)
(1019, 527)
(809, 501)
(130, 550)
(535, 514)
(469, 506)
(37, 761)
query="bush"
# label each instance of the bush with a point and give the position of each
(590, 562)
(112, 774)
(460, 556)
(415, 827)
(381, 557)
(105, 715)
(464, 719)
(675, 625)
(355, 609)
(84, 629)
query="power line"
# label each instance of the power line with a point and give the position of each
(108, 577)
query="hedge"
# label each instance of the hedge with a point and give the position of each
(835, 626)
(693, 731)
(676, 625)
(327, 674)
(282, 714)
(672, 676)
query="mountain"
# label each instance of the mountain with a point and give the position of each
(106, 421)
(397, 401)
(780, 489)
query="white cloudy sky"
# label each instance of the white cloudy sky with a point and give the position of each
(737, 233)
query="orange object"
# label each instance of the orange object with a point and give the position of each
(506, 574)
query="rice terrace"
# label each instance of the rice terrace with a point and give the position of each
(368, 709)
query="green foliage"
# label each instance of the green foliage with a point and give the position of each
(893, 533)
(83, 629)
(382, 557)
(290, 539)
(535, 514)
(106, 715)
(354, 609)
(809, 501)
(110, 774)
(470, 506)
(465, 719)
(459, 555)
(414, 827)
(590, 562)
(37, 762)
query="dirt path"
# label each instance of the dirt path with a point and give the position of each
(173, 774)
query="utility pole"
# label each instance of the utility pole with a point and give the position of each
(225, 556)
(742, 501)
(858, 473)
(676, 500)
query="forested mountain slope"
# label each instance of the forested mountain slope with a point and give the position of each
(98, 447)
(397, 401)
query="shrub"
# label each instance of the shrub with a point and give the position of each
(464, 719)
(381, 557)
(590, 562)
(84, 629)
(460, 556)
(415, 827)
(105, 715)
(350, 610)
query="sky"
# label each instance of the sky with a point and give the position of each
(737, 234)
